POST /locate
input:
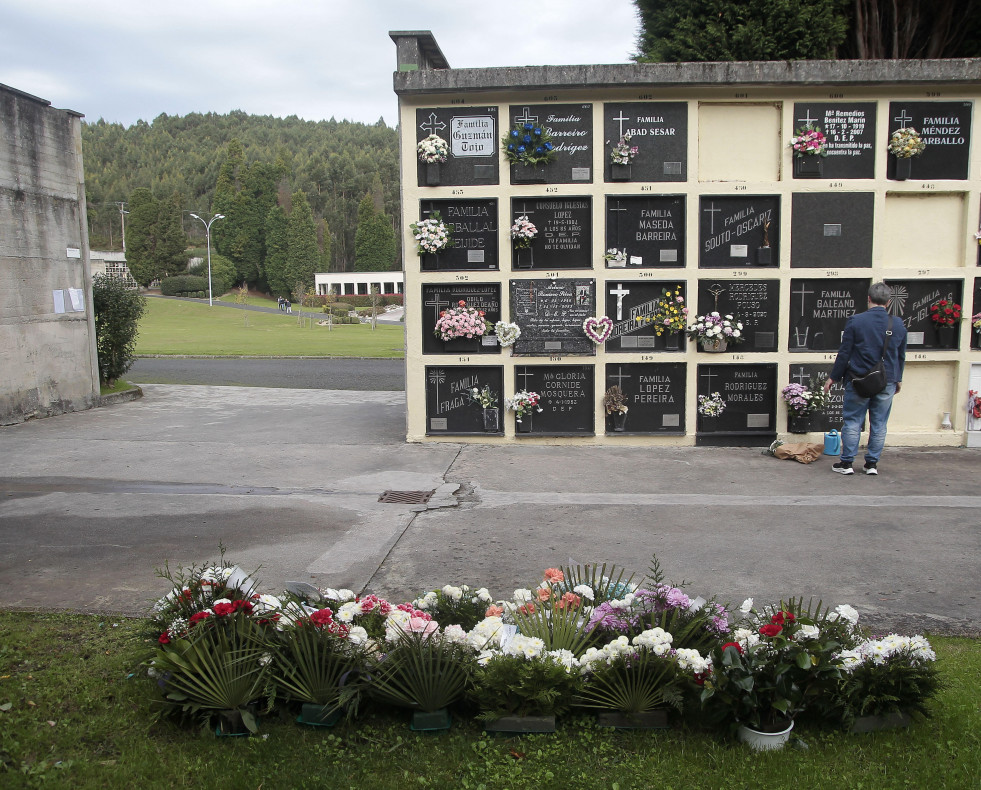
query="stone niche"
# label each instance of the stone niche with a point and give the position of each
(756, 302)
(850, 131)
(567, 400)
(911, 301)
(437, 297)
(828, 418)
(757, 155)
(819, 310)
(750, 394)
(945, 127)
(831, 230)
(648, 230)
(659, 131)
(450, 409)
(473, 228)
(550, 314)
(655, 394)
(571, 128)
(629, 303)
(473, 137)
(738, 230)
(565, 233)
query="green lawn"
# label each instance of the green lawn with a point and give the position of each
(75, 712)
(172, 326)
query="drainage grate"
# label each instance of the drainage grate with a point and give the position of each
(406, 497)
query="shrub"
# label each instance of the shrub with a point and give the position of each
(223, 274)
(118, 310)
(183, 284)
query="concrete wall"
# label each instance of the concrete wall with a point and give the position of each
(48, 362)
(923, 229)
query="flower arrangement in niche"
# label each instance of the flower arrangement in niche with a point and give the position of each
(809, 141)
(523, 232)
(906, 143)
(431, 234)
(805, 400)
(945, 312)
(461, 321)
(974, 404)
(716, 326)
(507, 333)
(523, 403)
(622, 151)
(615, 401)
(528, 144)
(486, 397)
(433, 150)
(711, 405)
(670, 313)
(616, 257)
(598, 329)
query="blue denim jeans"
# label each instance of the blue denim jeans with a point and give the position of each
(853, 411)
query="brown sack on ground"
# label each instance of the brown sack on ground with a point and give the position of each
(803, 452)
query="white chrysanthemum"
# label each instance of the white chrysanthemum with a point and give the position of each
(486, 633)
(221, 600)
(525, 646)
(745, 637)
(357, 635)
(484, 596)
(426, 601)
(566, 658)
(746, 606)
(656, 640)
(345, 595)
(523, 595)
(347, 611)
(454, 593)
(692, 661)
(266, 604)
(808, 632)
(455, 633)
(847, 612)
(585, 591)
(850, 659)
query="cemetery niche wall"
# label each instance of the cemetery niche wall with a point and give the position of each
(755, 302)
(911, 300)
(637, 309)
(564, 238)
(830, 417)
(850, 131)
(571, 129)
(438, 297)
(945, 127)
(831, 229)
(749, 393)
(648, 232)
(655, 396)
(473, 233)
(568, 403)
(472, 137)
(550, 314)
(819, 310)
(450, 407)
(659, 131)
(739, 230)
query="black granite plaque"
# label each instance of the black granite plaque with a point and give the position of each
(975, 336)
(655, 396)
(649, 231)
(551, 314)
(756, 302)
(945, 127)
(571, 128)
(565, 236)
(449, 406)
(829, 418)
(567, 400)
(831, 230)
(631, 304)
(733, 230)
(437, 297)
(911, 300)
(850, 130)
(473, 137)
(819, 310)
(660, 132)
(473, 227)
(750, 393)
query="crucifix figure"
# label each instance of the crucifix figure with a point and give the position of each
(620, 119)
(802, 292)
(433, 125)
(437, 306)
(526, 117)
(712, 212)
(619, 376)
(716, 290)
(523, 375)
(903, 118)
(619, 292)
(807, 120)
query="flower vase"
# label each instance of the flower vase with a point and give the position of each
(904, 168)
(798, 422)
(524, 258)
(946, 337)
(645, 720)
(430, 261)
(672, 341)
(492, 421)
(619, 172)
(616, 264)
(427, 721)
(764, 741)
(714, 345)
(433, 174)
(764, 256)
(521, 724)
(808, 166)
(619, 421)
(527, 174)
(319, 715)
(524, 426)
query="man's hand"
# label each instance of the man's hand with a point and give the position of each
(899, 386)
(829, 382)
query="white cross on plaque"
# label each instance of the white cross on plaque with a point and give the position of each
(903, 118)
(526, 116)
(526, 375)
(709, 375)
(620, 119)
(800, 375)
(712, 212)
(619, 293)
(437, 306)
(524, 208)
(807, 120)
(437, 376)
(433, 125)
(802, 292)
(620, 376)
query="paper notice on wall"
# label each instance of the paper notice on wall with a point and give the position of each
(77, 297)
(59, 301)
(73, 252)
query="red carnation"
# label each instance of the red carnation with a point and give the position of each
(736, 645)
(164, 638)
(197, 617)
(777, 618)
(771, 629)
(322, 617)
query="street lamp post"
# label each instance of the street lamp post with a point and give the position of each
(207, 234)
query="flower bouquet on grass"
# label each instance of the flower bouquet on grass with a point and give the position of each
(523, 404)
(450, 605)
(433, 150)
(432, 235)
(461, 322)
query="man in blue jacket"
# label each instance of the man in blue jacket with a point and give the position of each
(860, 351)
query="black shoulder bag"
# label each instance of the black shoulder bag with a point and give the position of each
(874, 382)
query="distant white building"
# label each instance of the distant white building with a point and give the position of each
(113, 264)
(359, 283)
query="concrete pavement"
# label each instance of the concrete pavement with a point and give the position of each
(92, 502)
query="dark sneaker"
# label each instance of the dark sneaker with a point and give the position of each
(842, 468)
(870, 469)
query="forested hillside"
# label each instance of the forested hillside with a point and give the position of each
(334, 163)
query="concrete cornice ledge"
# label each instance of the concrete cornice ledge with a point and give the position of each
(667, 75)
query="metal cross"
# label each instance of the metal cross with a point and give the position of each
(801, 293)
(800, 375)
(619, 376)
(526, 375)
(619, 293)
(716, 290)
(526, 116)
(711, 212)
(807, 119)
(524, 208)
(903, 118)
(709, 375)
(433, 124)
(436, 304)
(620, 118)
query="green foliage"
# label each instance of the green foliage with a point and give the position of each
(606, 583)
(302, 254)
(117, 316)
(184, 284)
(141, 236)
(374, 241)
(514, 686)
(276, 251)
(635, 684)
(421, 671)
(170, 254)
(223, 274)
(316, 666)
(561, 626)
(724, 30)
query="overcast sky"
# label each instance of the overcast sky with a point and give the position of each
(125, 61)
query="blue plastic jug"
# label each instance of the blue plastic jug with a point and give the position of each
(832, 443)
